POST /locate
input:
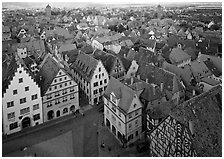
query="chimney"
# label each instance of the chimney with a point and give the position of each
(161, 87)
(153, 88)
(193, 92)
(147, 80)
(138, 76)
(131, 80)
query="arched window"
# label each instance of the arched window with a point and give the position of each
(65, 110)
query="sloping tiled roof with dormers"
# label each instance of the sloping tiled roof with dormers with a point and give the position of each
(122, 92)
(157, 76)
(85, 65)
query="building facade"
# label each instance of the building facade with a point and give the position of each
(60, 94)
(122, 112)
(91, 76)
(21, 102)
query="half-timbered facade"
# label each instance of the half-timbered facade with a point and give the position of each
(171, 139)
(190, 129)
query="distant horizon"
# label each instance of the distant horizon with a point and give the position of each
(73, 4)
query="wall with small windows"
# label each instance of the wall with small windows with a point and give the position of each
(128, 124)
(61, 97)
(98, 83)
(22, 104)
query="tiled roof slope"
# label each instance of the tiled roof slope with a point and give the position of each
(8, 73)
(157, 76)
(205, 111)
(47, 73)
(85, 65)
(122, 92)
(107, 59)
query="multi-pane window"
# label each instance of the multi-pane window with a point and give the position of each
(34, 96)
(99, 69)
(48, 96)
(36, 117)
(95, 91)
(55, 87)
(102, 74)
(13, 126)
(130, 116)
(100, 89)
(11, 115)
(65, 83)
(27, 88)
(49, 104)
(64, 91)
(20, 80)
(57, 101)
(22, 100)
(36, 106)
(57, 94)
(95, 84)
(101, 82)
(10, 104)
(24, 110)
(72, 96)
(72, 89)
(99, 76)
(105, 81)
(64, 99)
(15, 92)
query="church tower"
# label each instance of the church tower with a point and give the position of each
(48, 10)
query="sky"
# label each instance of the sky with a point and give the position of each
(60, 3)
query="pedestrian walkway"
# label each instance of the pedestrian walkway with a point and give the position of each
(44, 125)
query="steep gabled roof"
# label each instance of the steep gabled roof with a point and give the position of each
(124, 93)
(126, 63)
(47, 73)
(107, 59)
(212, 68)
(178, 55)
(85, 65)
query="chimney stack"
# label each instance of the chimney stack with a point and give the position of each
(147, 80)
(138, 76)
(153, 88)
(193, 92)
(161, 87)
(131, 80)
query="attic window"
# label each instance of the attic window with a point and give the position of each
(20, 71)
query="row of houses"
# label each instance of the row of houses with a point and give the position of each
(32, 98)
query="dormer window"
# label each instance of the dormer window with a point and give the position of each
(113, 99)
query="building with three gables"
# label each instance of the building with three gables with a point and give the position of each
(59, 91)
(21, 98)
(91, 76)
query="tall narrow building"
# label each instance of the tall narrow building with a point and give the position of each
(48, 10)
